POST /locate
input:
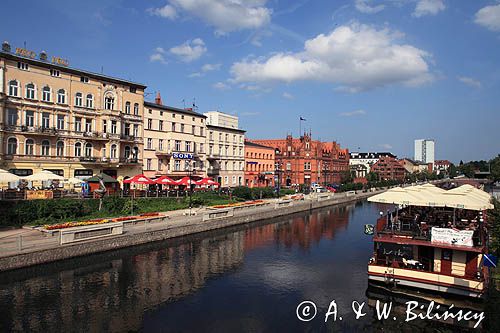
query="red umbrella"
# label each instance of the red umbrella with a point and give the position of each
(164, 180)
(139, 179)
(208, 181)
(185, 181)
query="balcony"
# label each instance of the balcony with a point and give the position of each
(133, 117)
(35, 130)
(212, 171)
(166, 153)
(129, 160)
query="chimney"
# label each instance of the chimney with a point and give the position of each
(158, 98)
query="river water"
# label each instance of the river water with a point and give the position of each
(245, 279)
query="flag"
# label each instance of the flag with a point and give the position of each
(302, 119)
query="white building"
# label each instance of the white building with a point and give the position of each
(424, 150)
(361, 163)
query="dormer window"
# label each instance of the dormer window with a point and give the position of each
(55, 73)
(23, 66)
(84, 79)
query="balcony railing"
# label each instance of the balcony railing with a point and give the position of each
(39, 130)
(129, 160)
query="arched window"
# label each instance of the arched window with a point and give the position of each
(28, 147)
(109, 102)
(127, 107)
(30, 91)
(88, 149)
(46, 95)
(45, 148)
(90, 101)
(136, 152)
(61, 96)
(12, 146)
(78, 149)
(13, 88)
(60, 148)
(127, 152)
(113, 151)
(78, 99)
(136, 109)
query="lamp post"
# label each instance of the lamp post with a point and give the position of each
(278, 171)
(190, 172)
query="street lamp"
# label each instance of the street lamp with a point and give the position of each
(278, 171)
(191, 170)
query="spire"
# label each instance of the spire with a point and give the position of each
(158, 98)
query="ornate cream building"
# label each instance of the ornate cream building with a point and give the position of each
(70, 121)
(226, 149)
(169, 135)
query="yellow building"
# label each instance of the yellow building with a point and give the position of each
(70, 121)
(174, 141)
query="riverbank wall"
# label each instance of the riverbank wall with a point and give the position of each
(188, 225)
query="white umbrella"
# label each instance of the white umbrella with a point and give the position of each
(44, 175)
(7, 177)
(74, 180)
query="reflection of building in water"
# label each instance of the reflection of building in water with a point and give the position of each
(300, 230)
(113, 296)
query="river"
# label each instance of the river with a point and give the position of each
(243, 279)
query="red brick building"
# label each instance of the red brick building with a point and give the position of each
(388, 168)
(305, 161)
(259, 165)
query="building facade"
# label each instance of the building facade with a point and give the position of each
(424, 151)
(259, 165)
(412, 166)
(226, 149)
(174, 141)
(388, 168)
(306, 161)
(360, 163)
(442, 166)
(72, 122)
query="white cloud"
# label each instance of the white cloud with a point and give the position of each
(365, 7)
(470, 81)
(189, 50)
(166, 11)
(221, 86)
(356, 57)
(428, 7)
(224, 15)
(489, 17)
(385, 145)
(158, 56)
(288, 95)
(353, 113)
(210, 67)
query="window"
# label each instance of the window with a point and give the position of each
(78, 124)
(234, 138)
(88, 125)
(133, 90)
(11, 117)
(150, 143)
(307, 165)
(173, 127)
(192, 129)
(234, 151)
(113, 126)
(105, 126)
(127, 129)
(13, 88)
(136, 130)
(173, 115)
(127, 107)
(160, 164)
(201, 131)
(241, 151)
(127, 152)
(23, 66)
(182, 116)
(148, 164)
(30, 91)
(188, 145)
(160, 125)
(150, 123)
(45, 120)
(12, 146)
(234, 165)
(109, 103)
(227, 137)
(226, 180)
(289, 166)
(45, 148)
(78, 149)
(201, 148)
(30, 118)
(136, 109)
(234, 180)
(177, 145)
(177, 165)
(55, 72)
(90, 101)
(186, 165)
(211, 135)
(28, 147)
(182, 128)
(160, 144)
(88, 149)
(113, 151)
(84, 79)
(78, 99)
(220, 136)
(60, 148)
(61, 96)
(46, 94)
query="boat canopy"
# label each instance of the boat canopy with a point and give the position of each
(464, 197)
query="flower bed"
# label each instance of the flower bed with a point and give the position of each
(96, 221)
(239, 204)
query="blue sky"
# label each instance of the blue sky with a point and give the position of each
(369, 74)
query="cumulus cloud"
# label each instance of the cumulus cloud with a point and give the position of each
(158, 56)
(224, 15)
(365, 7)
(353, 113)
(190, 50)
(356, 57)
(221, 86)
(489, 17)
(166, 11)
(428, 7)
(210, 67)
(288, 95)
(470, 81)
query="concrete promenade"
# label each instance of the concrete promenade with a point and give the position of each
(26, 247)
